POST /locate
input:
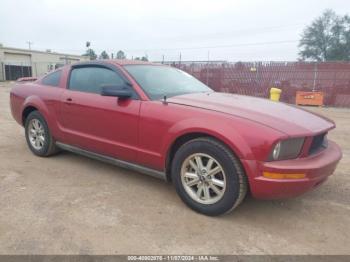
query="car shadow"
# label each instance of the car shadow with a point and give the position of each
(250, 208)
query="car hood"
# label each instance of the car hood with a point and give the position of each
(288, 119)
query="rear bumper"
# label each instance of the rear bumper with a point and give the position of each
(317, 169)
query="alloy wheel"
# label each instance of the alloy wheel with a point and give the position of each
(203, 178)
(36, 134)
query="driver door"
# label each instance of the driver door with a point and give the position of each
(102, 124)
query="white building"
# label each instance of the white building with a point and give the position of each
(16, 63)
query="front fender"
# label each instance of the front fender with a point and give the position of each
(247, 139)
(223, 131)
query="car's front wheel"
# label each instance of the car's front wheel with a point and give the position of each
(208, 177)
(38, 135)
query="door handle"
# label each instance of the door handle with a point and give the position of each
(68, 100)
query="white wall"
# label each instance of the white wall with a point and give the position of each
(41, 62)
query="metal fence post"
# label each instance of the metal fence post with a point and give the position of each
(208, 70)
(315, 77)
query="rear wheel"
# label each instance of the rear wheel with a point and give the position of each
(208, 177)
(38, 135)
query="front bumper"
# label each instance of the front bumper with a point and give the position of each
(316, 167)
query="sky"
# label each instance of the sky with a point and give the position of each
(232, 30)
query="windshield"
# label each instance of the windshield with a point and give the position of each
(160, 81)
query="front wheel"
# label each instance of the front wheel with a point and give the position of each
(208, 177)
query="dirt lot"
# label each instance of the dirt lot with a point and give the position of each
(68, 204)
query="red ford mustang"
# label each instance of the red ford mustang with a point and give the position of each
(163, 122)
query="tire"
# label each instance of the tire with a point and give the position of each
(46, 145)
(230, 183)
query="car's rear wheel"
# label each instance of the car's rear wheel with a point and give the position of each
(38, 135)
(208, 176)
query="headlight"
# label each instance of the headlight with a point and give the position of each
(276, 151)
(287, 149)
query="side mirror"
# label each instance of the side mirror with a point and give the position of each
(123, 92)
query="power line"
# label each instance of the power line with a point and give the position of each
(186, 48)
(214, 46)
(237, 32)
(207, 47)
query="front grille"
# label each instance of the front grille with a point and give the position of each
(318, 143)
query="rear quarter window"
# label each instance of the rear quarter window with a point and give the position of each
(52, 79)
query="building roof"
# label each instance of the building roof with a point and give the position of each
(14, 49)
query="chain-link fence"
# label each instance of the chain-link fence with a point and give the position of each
(256, 78)
(248, 78)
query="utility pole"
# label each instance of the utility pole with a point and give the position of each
(29, 44)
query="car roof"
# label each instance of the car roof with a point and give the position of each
(120, 62)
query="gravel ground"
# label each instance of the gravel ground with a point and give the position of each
(68, 204)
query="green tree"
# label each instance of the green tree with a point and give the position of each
(143, 58)
(327, 38)
(90, 53)
(104, 55)
(121, 55)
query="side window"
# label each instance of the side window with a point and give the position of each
(52, 79)
(91, 79)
